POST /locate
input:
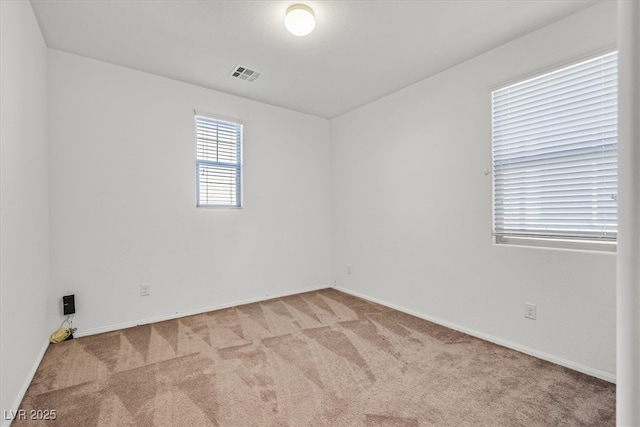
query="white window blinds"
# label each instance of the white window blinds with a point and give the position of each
(218, 162)
(555, 153)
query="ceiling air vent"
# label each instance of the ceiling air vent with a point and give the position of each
(244, 73)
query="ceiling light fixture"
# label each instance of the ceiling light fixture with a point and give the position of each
(299, 19)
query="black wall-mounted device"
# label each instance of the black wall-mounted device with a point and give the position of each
(69, 304)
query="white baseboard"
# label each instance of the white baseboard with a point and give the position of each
(23, 390)
(109, 328)
(607, 376)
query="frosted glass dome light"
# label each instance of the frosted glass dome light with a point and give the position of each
(299, 19)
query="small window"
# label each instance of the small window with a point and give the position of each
(218, 162)
(555, 154)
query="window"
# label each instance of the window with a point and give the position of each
(555, 154)
(218, 162)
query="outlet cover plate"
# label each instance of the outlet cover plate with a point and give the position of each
(145, 289)
(530, 311)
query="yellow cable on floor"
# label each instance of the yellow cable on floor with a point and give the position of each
(62, 333)
(59, 335)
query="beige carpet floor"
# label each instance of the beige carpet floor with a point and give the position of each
(322, 358)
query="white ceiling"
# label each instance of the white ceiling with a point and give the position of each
(358, 52)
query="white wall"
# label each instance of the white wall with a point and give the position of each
(411, 209)
(123, 198)
(24, 200)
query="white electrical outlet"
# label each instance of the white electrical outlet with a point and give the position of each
(530, 311)
(145, 289)
(348, 268)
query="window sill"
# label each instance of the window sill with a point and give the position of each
(558, 243)
(218, 207)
